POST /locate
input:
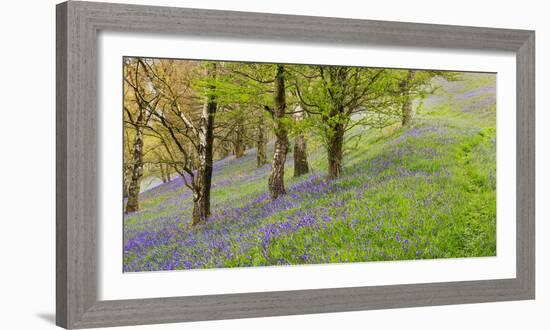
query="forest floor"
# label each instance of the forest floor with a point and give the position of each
(428, 191)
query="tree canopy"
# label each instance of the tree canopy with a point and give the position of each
(181, 115)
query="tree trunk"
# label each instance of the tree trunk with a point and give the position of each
(239, 141)
(335, 151)
(336, 120)
(126, 179)
(132, 204)
(199, 210)
(209, 151)
(301, 165)
(276, 177)
(201, 199)
(407, 112)
(261, 154)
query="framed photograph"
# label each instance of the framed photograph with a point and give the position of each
(217, 165)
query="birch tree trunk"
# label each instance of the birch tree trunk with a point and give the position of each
(126, 179)
(125, 190)
(276, 178)
(261, 154)
(132, 204)
(301, 165)
(199, 211)
(201, 197)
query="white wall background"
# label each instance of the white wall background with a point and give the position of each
(27, 163)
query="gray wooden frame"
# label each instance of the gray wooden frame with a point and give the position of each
(77, 152)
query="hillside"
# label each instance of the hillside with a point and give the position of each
(428, 191)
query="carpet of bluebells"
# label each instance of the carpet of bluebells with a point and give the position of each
(428, 191)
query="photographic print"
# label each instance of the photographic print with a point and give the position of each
(238, 164)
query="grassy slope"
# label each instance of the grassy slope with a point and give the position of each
(423, 192)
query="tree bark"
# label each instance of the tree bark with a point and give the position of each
(199, 210)
(239, 141)
(132, 204)
(201, 198)
(276, 178)
(125, 190)
(336, 120)
(335, 151)
(261, 154)
(407, 112)
(406, 120)
(301, 165)
(126, 179)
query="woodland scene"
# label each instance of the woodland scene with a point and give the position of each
(234, 164)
